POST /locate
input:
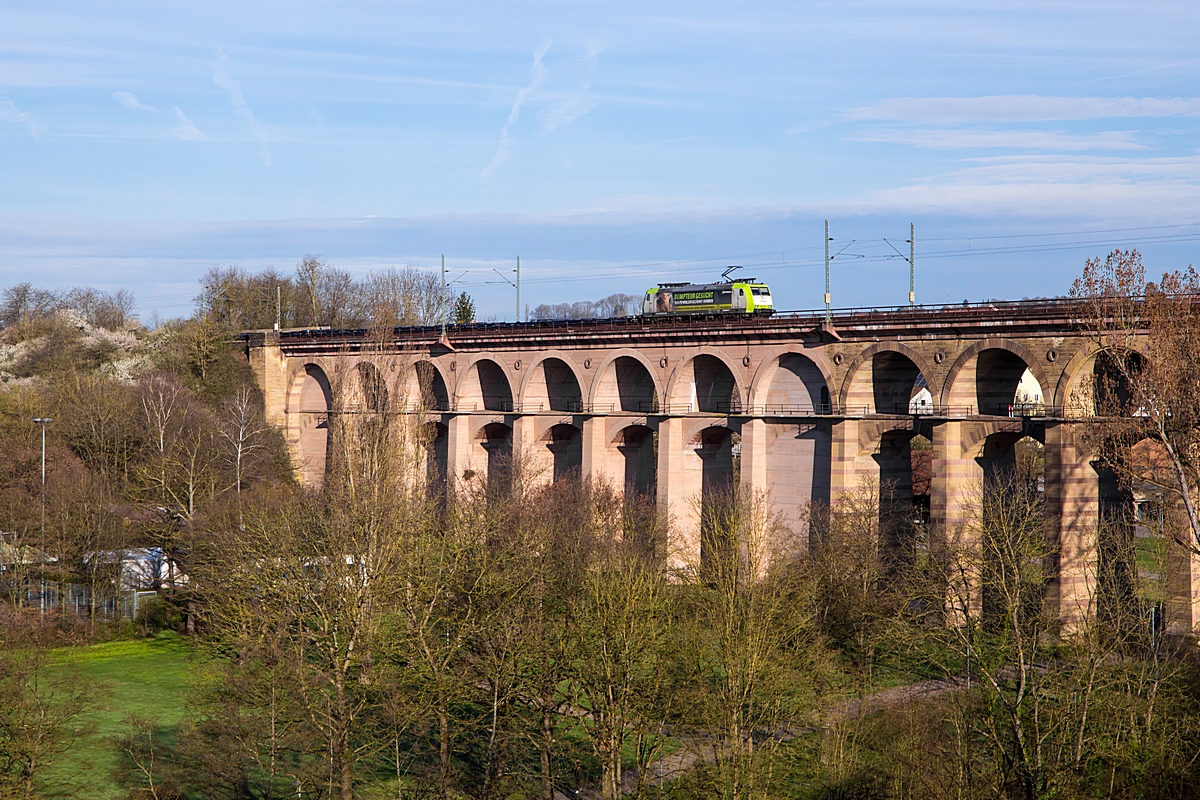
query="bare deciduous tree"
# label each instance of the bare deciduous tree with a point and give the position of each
(750, 611)
(1148, 376)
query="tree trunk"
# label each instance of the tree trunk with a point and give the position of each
(399, 774)
(346, 777)
(1185, 489)
(611, 780)
(444, 745)
(344, 767)
(544, 750)
(490, 761)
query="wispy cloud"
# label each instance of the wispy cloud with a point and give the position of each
(223, 77)
(1006, 140)
(1048, 186)
(129, 100)
(10, 113)
(537, 76)
(577, 103)
(1024, 108)
(187, 129)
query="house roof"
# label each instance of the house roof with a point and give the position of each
(11, 554)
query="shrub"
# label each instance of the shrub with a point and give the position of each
(158, 615)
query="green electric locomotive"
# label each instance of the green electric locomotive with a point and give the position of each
(746, 296)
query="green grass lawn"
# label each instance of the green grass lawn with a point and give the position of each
(147, 677)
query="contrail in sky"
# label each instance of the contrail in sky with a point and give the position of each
(224, 78)
(537, 76)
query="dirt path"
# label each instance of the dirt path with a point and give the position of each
(694, 752)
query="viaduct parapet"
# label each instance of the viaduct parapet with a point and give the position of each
(802, 409)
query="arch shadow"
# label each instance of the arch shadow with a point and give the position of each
(891, 374)
(1000, 372)
(705, 383)
(625, 382)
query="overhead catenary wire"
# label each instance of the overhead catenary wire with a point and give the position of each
(686, 264)
(636, 270)
(771, 260)
(626, 270)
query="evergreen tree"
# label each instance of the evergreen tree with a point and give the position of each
(464, 309)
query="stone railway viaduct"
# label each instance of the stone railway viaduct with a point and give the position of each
(810, 409)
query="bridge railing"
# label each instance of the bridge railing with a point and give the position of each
(734, 408)
(643, 407)
(796, 410)
(921, 410)
(1023, 409)
(505, 407)
(722, 407)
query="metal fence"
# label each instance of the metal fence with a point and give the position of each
(75, 600)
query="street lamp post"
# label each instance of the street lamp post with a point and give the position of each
(43, 421)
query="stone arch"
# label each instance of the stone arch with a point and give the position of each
(1073, 369)
(1079, 384)
(1137, 518)
(714, 446)
(437, 440)
(762, 384)
(319, 370)
(625, 381)
(892, 452)
(995, 447)
(634, 446)
(888, 386)
(552, 383)
(791, 382)
(428, 385)
(991, 395)
(310, 400)
(981, 439)
(694, 429)
(485, 386)
(496, 441)
(994, 474)
(565, 442)
(705, 383)
(370, 389)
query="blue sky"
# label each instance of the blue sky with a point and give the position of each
(610, 145)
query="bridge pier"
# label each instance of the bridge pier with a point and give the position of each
(850, 467)
(680, 483)
(1073, 499)
(459, 439)
(536, 463)
(754, 476)
(954, 494)
(1183, 590)
(597, 460)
